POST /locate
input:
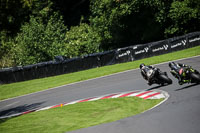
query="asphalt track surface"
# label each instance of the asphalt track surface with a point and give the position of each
(179, 114)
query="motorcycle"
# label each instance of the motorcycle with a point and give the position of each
(158, 77)
(190, 75)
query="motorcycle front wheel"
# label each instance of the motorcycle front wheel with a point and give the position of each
(195, 77)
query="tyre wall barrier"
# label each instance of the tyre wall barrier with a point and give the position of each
(62, 65)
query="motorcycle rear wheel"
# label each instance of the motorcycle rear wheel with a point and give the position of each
(165, 79)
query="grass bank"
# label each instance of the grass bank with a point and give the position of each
(76, 116)
(22, 88)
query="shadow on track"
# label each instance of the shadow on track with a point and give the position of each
(186, 87)
(156, 87)
(19, 109)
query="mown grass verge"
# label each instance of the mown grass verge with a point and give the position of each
(80, 115)
(22, 88)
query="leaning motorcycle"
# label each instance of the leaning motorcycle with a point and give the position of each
(158, 77)
(190, 75)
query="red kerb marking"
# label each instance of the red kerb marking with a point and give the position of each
(56, 106)
(143, 93)
(108, 96)
(127, 94)
(28, 112)
(85, 100)
(152, 95)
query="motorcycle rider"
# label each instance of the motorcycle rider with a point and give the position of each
(176, 69)
(144, 69)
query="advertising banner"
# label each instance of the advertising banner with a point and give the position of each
(194, 40)
(141, 51)
(159, 48)
(124, 55)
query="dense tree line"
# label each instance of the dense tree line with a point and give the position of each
(33, 31)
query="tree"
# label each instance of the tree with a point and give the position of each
(13, 14)
(184, 17)
(40, 42)
(6, 54)
(81, 40)
(126, 22)
(72, 11)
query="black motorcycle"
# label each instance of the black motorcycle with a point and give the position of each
(190, 75)
(158, 77)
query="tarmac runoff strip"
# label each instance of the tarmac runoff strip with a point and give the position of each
(145, 94)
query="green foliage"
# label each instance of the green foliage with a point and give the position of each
(6, 53)
(184, 16)
(15, 12)
(127, 22)
(12, 14)
(122, 22)
(72, 11)
(39, 42)
(105, 18)
(81, 40)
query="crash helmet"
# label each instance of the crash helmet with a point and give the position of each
(171, 64)
(142, 65)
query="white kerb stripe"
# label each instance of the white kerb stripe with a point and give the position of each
(157, 96)
(118, 95)
(145, 95)
(135, 94)
(73, 102)
(44, 108)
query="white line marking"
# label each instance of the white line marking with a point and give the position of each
(45, 108)
(73, 102)
(94, 99)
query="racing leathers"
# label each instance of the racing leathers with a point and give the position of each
(176, 71)
(144, 71)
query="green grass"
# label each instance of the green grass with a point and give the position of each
(21, 88)
(76, 116)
